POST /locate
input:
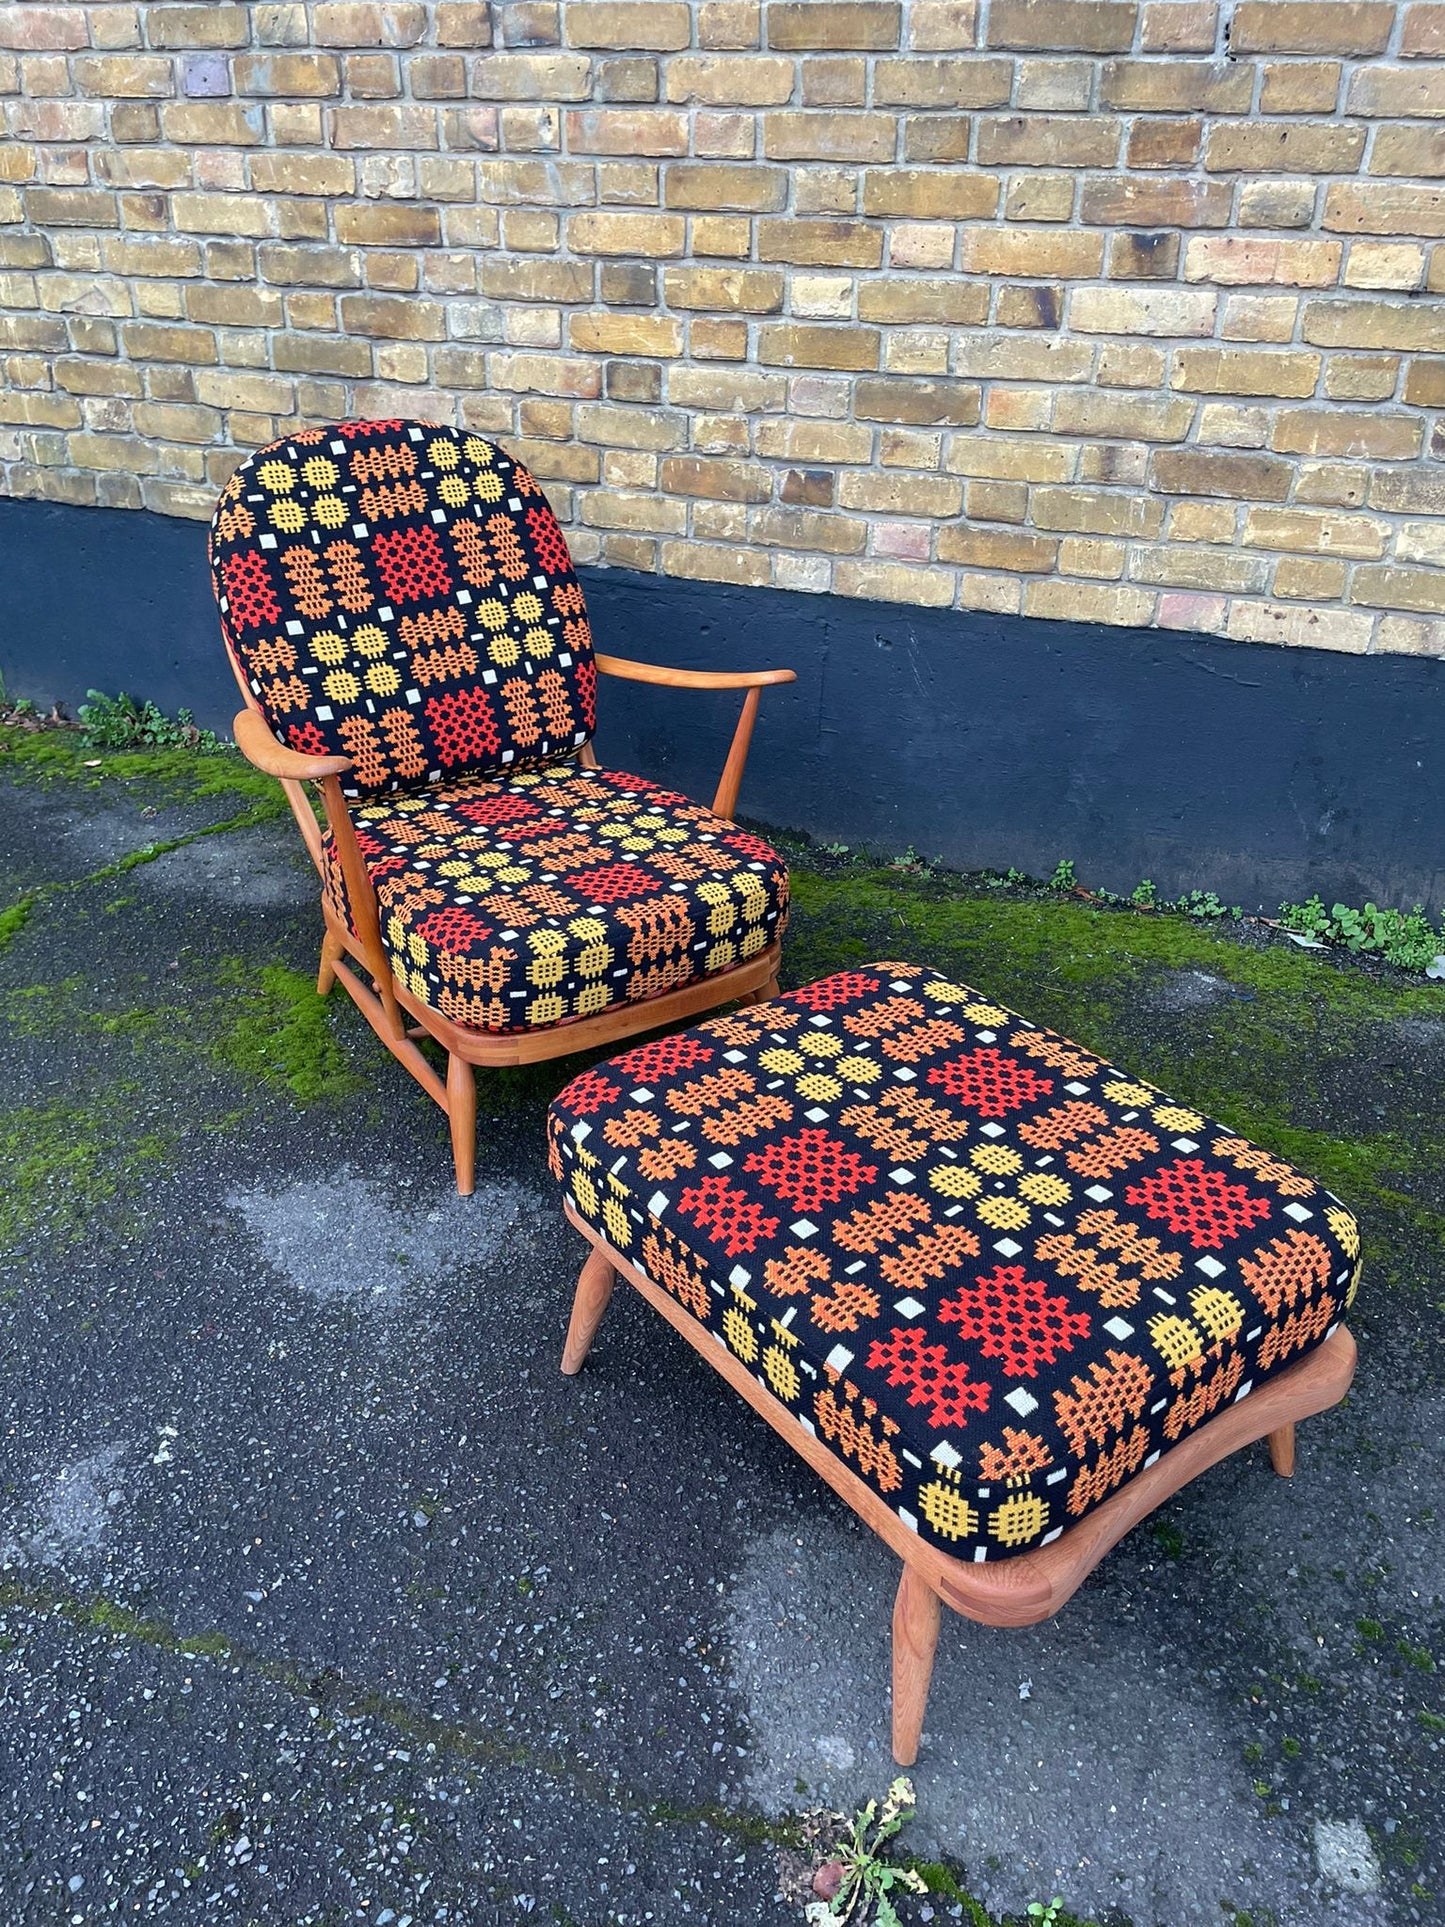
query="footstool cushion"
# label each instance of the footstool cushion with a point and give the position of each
(994, 1275)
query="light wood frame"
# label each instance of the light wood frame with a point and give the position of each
(1019, 1591)
(387, 1005)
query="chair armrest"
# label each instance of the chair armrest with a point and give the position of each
(692, 678)
(259, 747)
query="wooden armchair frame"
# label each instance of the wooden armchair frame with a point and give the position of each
(387, 1005)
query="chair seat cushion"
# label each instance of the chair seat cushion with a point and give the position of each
(995, 1275)
(512, 903)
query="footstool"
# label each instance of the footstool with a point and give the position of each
(1003, 1297)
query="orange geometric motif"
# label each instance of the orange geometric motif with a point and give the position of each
(1111, 1152)
(1293, 1266)
(1052, 1130)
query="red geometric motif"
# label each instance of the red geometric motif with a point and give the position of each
(250, 598)
(462, 722)
(810, 1169)
(591, 1092)
(412, 564)
(307, 738)
(613, 882)
(664, 1058)
(547, 537)
(931, 1380)
(1013, 1319)
(990, 1083)
(495, 809)
(453, 929)
(729, 1217)
(1198, 1202)
(833, 991)
(586, 673)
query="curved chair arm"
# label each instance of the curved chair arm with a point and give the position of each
(754, 681)
(260, 748)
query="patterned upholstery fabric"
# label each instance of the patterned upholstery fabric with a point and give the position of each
(995, 1275)
(516, 902)
(401, 594)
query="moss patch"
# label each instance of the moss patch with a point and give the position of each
(62, 1163)
(281, 1032)
(59, 755)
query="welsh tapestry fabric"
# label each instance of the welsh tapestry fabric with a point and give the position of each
(523, 901)
(995, 1275)
(400, 593)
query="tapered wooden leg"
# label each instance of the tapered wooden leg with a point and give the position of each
(915, 1639)
(594, 1289)
(1281, 1450)
(462, 1116)
(330, 954)
(769, 990)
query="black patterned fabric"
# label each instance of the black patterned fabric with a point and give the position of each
(400, 593)
(995, 1275)
(532, 900)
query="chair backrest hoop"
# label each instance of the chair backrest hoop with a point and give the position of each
(400, 593)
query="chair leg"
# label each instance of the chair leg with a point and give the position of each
(769, 990)
(462, 1116)
(594, 1289)
(915, 1640)
(330, 954)
(1281, 1450)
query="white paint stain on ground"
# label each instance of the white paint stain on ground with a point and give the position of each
(1346, 1856)
(70, 1520)
(1116, 1783)
(365, 1241)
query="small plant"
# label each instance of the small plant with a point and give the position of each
(1205, 905)
(120, 722)
(1047, 1913)
(858, 1882)
(1404, 938)
(1063, 877)
(1144, 896)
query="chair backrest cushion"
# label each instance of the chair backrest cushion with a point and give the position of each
(400, 593)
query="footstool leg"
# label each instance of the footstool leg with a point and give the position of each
(594, 1289)
(462, 1116)
(915, 1639)
(1281, 1450)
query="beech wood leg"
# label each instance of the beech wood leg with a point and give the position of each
(330, 955)
(915, 1640)
(594, 1289)
(1281, 1450)
(462, 1116)
(770, 989)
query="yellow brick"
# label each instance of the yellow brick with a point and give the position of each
(1144, 418)
(791, 345)
(745, 80)
(831, 25)
(1080, 511)
(1300, 87)
(1054, 257)
(1175, 87)
(908, 298)
(921, 82)
(1018, 550)
(1314, 628)
(1062, 26)
(1237, 371)
(125, 76)
(1051, 140)
(937, 25)
(704, 562)
(1089, 556)
(625, 334)
(1088, 602)
(1235, 260)
(725, 235)
(1311, 26)
(1364, 436)
(895, 582)
(1374, 324)
(396, 320)
(651, 25)
(531, 77)
(616, 508)
(717, 186)
(1152, 311)
(626, 130)
(1257, 147)
(935, 496)
(742, 290)
(1356, 537)
(1202, 522)
(652, 236)
(804, 136)
(1394, 588)
(720, 480)
(1309, 580)
(814, 441)
(729, 24)
(930, 195)
(222, 214)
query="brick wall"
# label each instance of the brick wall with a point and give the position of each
(1076, 307)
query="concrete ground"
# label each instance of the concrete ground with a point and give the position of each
(324, 1598)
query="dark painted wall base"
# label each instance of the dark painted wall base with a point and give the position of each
(979, 740)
